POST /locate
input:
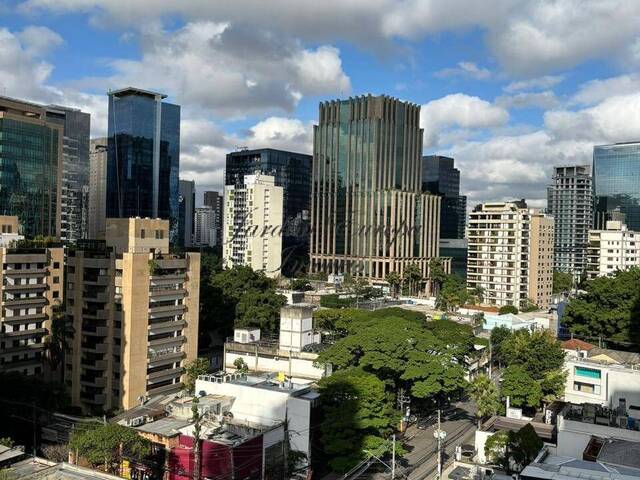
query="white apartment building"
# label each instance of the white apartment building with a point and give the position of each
(204, 223)
(510, 254)
(253, 220)
(615, 248)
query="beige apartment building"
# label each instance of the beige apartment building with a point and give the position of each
(134, 308)
(510, 254)
(253, 218)
(32, 280)
(615, 248)
(369, 216)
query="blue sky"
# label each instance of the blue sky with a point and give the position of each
(510, 88)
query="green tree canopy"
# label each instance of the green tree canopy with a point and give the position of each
(485, 393)
(520, 387)
(452, 294)
(195, 368)
(508, 309)
(394, 280)
(538, 352)
(260, 310)
(562, 282)
(508, 448)
(610, 309)
(107, 444)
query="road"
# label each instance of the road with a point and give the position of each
(421, 461)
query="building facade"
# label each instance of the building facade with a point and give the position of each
(440, 177)
(143, 156)
(97, 188)
(186, 212)
(369, 215)
(570, 203)
(292, 172)
(32, 164)
(510, 254)
(252, 225)
(616, 184)
(74, 192)
(205, 234)
(32, 286)
(615, 248)
(134, 311)
(214, 200)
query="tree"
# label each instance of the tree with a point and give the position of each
(562, 282)
(240, 365)
(538, 352)
(498, 337)
(107, 444)
(508, 309)
(56, 453)
(7, 442)
(485, 393)
(394, 280)
(496, 449)
(436, 274)
(358, 412)
(413, 278)
(260, 310)
(452, 294)
(610, 309)
(525, 446)
(300, 284)
(520, 387)
(476, 295)
(55, 342)
(195, 368)
(529, 306)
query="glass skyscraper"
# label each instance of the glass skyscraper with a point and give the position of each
(616, 184)
(30, 167)
(143, 156)
(292, 172)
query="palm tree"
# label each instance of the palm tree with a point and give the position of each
(55, 342)
(485, 393)
(413, 276)
(436, 275)
(394, 280)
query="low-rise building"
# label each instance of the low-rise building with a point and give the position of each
(615, 248)
(290, 354)
(517, 322)
(134, 310)
(31, 286)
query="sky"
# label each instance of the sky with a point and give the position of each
(509, 88)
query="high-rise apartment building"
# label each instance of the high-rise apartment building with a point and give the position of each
(31, 287)
(143, 156)
(32, 164)
(74, 191)
(369, 215)
(616, 184)
(134, 311)
(612, 249)
(97, 188)
(570, 203)
(510, 254)
(292, 172)
(214, 200)
(205, 233)
(440, 177)
(251, 233)
(186, 212)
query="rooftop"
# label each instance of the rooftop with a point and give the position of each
(595, 414)
(135, 91)
(39, 468)
(266, 382)
(499, 423)
(576, 344)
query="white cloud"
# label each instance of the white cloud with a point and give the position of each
(458, 110)
(284, 133)
(544, 100)
(547, 81)
(597, 90)
(465, 69)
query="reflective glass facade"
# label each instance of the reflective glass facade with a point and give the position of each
(292, 171)
(616, 184)
(144, 133)
(30, 165)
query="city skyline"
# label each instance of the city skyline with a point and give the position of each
(482, 104)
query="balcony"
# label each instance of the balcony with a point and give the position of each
(90, 381)
(161, 342)
(25, 287)
(34, 347)
(32, 301)
(167, 308)
(165, 327)
(26, 272)
(25, 318)
(165, 374)
(25, 333)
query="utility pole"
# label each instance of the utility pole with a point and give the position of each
(196, 438)
(402, 400)
(393, 457)
(440, 435)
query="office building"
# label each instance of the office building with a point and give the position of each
(510, 254)
(97, 188)
(186, 212)
(616, 184)
(369, 216)
(440, 177)
(32, 164)
(252, 225)
(74, 201)
(205, 233)
(214, 200)
(292, 172)
(31, 287)
(134, 310)
(456, 250)
(615, 248)
(143, 157)
(570, 203)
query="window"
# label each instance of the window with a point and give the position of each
(159, 234)
(586, 388)
(56, 279)
(56, 264)
(56, 294)
(142, 233)
(587, 372)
